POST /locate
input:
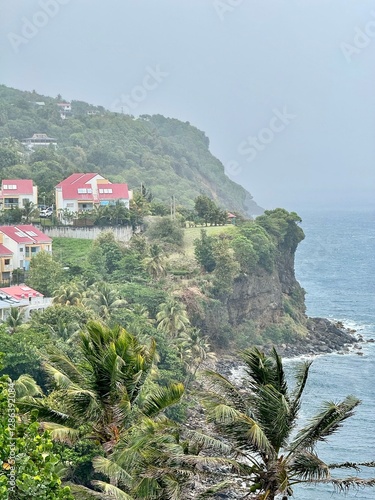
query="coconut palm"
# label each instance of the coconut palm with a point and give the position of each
(260, 421)
(69, 294)
(104, 300)
(172, 317)
(106, 392)
(14, 319)
(29, 210)
(195, 350)
(155, 262)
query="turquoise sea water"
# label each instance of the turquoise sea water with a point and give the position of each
(336, 266)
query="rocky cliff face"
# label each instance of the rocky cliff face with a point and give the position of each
(262, 296)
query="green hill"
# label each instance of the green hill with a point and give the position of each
(168, 156)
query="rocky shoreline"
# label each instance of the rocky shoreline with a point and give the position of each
(324, 337)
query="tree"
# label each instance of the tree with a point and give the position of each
(26, 450)
(15, 318)
(172, 317)
(204, 251)
(204, 207)
(45, 274)
(260, 420)
(167, 231)
(104, 300)
(29, 210)
(226, 270)
(155, 262)
(70, 294)
(107, 390)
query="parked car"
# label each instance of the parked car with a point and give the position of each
(47, 212)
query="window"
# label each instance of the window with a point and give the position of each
(82, 190)
(21, 249)
(7, 262)
(105, 191)
(9, 186)
(70, 205)
(31, 233)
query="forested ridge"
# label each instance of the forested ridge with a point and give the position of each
(171, 157)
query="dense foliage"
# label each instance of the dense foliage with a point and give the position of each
(169, 156)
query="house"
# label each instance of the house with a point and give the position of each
(65, 106)
(38, 140)
(24, 241)
(23, 297)
(6, 263)
(81, 192)
(232, 218)
(65, 109)
(14, 193)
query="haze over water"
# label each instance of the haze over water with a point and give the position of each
(336, 265)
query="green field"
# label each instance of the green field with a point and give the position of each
(192, 233)
(71, 251)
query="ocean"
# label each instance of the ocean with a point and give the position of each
(336, 266)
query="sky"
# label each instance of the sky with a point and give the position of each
(284, 89)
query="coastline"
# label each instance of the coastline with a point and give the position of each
(324, 337)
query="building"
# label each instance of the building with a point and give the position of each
(6, 263)
(15, 193)
(81, 192)
(23, 297)
(39, 140)
(24, 241)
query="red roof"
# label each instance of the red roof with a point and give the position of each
(20, 292)
(119, 191)
(25, 234)
(5, 251)
(23, 186)
(76, 178)
(79, 182)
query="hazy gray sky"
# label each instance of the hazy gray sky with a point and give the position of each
(284, 89)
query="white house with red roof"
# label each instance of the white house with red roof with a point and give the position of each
(15, 192)
(24, 241)
(23, 297)
(81, 192)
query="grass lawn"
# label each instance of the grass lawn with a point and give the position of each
(71, 251)
(192, 233)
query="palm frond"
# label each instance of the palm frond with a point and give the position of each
(308, 466)
(161, 398)
(325, 423)
(219, 384)
(112, 470)
(62, 433)
(112, 491)
(25, 385)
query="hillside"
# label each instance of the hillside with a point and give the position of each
(168, 156)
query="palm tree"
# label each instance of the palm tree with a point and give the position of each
(172, 317)
(260, 420)
(195, 350)
(105, 393)
(70, 294)
(14, 319)
(29, 210)
(104, 300)
(155, 262)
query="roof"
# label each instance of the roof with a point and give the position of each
(5, 251)
(25, 234)
(119, 191)
(77, 179)
(231, 216)
(23, 186)
(20, 292)
(78, 187)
